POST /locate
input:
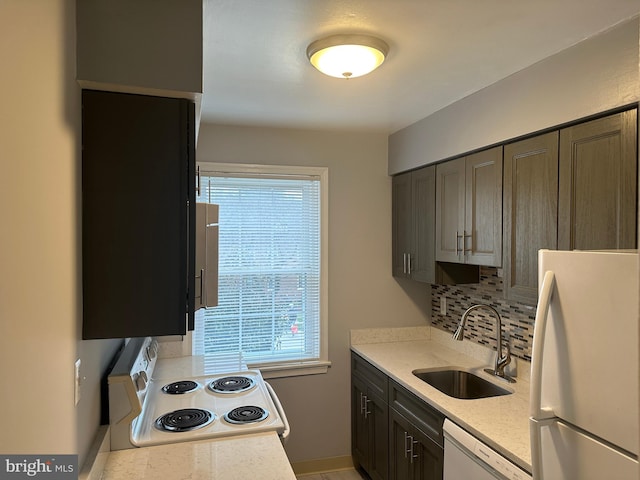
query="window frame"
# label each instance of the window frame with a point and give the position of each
(291, 368)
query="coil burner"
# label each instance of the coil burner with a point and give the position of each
(234, 384)
(246, 414)
(180, 387)
(184, 420)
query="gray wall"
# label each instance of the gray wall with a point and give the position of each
(596, 75)
(362, 292)
(40, 302)
(152, 44)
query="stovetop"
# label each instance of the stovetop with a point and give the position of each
(145, 431)
(137, 399)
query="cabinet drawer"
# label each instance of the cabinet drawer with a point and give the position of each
(376, 380)
(424, 417)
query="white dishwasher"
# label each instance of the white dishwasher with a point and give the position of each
(466, 457)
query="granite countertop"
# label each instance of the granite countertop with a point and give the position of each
(500, 422)
(232, 458)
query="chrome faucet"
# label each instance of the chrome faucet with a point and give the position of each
(501, 361)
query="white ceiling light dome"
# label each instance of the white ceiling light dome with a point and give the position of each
(347, 56)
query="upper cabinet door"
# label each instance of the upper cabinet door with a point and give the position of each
(598, 178)
(138, 214)
(423, 200)
(530, 212)
(469, 209)
(483, 212)
(206, 263)
(413, 221)
(450, 205)
(402, 226)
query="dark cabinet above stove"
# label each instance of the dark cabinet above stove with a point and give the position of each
(138, 215)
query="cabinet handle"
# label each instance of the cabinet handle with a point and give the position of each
(458, 242)
(198, 180)
(464, 242)
(202, 290)
(413, 454)
(409, 442)
(367, 412)
(407, 446)
(364, 403)
(408, 263)
(404, 263)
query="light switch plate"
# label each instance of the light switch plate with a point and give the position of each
(443, 305)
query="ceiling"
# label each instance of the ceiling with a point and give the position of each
(256, 71)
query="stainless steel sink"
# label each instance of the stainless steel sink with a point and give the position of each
(460, 383)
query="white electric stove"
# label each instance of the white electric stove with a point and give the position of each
(182, 401)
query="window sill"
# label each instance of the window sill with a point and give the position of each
(292, 370)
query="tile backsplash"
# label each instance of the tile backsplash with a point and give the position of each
(517, 318)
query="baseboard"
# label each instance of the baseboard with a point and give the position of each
(323, 465)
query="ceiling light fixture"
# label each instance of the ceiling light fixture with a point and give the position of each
(347, 56)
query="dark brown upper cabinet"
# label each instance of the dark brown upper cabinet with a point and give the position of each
(138, 215)
(530, 217)
(413, 237)
(598, 179)
(573, 188)
(469, 209)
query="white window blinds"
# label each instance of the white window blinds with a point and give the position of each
(269, 269)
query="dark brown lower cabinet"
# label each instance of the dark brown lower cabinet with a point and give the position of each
(413, 455)
(416, 439)
(394, 434)
(369, 419)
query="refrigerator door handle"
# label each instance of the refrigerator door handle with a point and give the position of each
(546, 290)
(539, 415)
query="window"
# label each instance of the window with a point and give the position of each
(272, 306)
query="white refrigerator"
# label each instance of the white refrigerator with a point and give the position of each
(584, 367)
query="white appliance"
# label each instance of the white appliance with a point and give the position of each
(584, 370)
(183, 400)
(467, 458)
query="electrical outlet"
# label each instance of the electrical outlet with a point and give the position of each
(443, 305)
(77, 382)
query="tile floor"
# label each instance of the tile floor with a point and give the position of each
(350, 474)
